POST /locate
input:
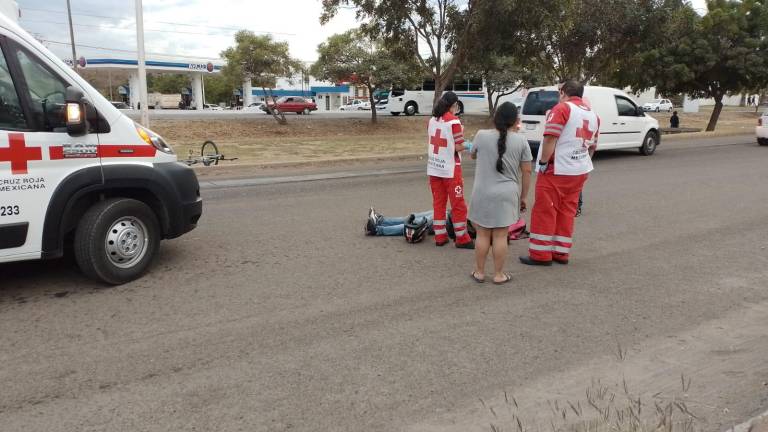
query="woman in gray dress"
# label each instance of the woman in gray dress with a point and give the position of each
(502, 179)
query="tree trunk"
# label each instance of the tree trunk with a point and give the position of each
(491, 105)
(373, 104)
(743, 101)
(715, 112)
(280, 116)
(438, 92)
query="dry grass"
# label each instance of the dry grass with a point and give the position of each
(303, 139)
(604, 408)
(731, 118)
(314, 139)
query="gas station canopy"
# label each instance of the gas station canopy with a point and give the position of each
(196, 70)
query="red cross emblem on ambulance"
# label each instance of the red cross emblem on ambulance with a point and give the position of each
(18, 154)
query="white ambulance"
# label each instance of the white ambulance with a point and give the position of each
(75, 171)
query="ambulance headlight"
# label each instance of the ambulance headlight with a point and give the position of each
(153, 139)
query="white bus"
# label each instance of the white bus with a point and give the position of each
(471, 93)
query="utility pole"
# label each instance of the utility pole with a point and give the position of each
(72, 37)
(109, 76)
(142, 65)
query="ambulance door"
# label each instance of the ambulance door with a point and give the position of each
(36, 153)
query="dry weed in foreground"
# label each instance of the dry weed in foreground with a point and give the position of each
(606, 409)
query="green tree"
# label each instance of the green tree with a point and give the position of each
(261, 60)
(584, 39)
(167, 83)
(444, 28)
(353, 55)
(218, 89)
(505, 75)
(723, 52)
(503, 58)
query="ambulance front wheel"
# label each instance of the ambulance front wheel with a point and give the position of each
(116, 240)
(650, 142)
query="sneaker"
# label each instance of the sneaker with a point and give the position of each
(372, 213)
(370, 224)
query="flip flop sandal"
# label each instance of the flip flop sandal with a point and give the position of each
(508, 279)
(475, 278)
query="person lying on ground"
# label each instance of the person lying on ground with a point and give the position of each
(380, 225)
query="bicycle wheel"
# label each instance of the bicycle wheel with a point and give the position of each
(210, 153)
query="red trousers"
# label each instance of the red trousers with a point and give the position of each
(552, 218)
(444, 190)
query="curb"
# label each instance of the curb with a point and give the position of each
(749, 424)
(203, 171)
(715, 134)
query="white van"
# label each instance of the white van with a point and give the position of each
(761, 130)
(623, 124)
(76, 171)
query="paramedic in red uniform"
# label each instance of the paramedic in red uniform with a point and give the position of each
(445, 141)
(565, 160)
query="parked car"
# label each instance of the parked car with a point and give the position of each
(762, 129)
(623, 123)
(120, 105)
(659, 105)
(382, 105)
(256, 106)
(212, 107)
(296, 104)
(355, 105)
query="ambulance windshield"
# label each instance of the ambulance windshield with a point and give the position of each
(539, 102)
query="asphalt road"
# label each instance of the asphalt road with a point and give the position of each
(277, 314)
(251, 115)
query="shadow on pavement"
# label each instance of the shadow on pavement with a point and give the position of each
(32, 281)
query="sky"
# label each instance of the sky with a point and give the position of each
(195, 28)
(198, 29)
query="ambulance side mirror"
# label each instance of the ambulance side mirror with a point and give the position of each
(77, 123)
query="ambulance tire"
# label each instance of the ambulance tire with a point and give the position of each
(92, 239)
(411, 108)
(650, 142)
(461, 108)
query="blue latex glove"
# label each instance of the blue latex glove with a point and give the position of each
(540, 168)
(468, 146)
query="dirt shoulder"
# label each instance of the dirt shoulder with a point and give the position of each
(323, 140)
